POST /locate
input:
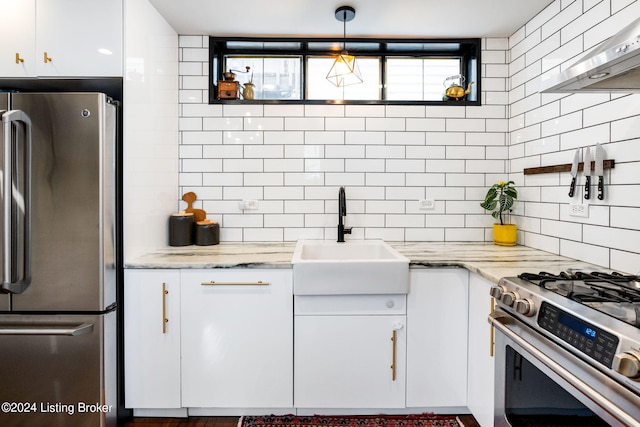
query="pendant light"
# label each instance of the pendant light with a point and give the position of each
(345, 70)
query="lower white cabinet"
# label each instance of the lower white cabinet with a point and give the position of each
(237, 338)
(481, 362)
(152, 338)
(437, 338)
(351, 352)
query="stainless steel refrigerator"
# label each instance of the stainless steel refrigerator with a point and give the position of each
(57, 252)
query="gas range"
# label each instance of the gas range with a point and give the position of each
(594, 315)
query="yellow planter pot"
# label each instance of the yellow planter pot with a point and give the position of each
(505, 235)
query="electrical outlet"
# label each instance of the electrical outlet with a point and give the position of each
(427, 204)
(579, 209)
(249, 205)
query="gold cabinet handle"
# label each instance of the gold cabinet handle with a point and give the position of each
(214, 283)
(47, 58)
(164, 308)
(492, 341)
(394, 338)
(18, 59)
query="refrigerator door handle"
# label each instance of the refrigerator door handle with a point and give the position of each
(57, 330)
(16, 206)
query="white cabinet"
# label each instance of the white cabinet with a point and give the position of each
(152, 338)
(437, 338)
(61, 38)
(350, 355)
(481, 362)
(237, 338)
(18, 41)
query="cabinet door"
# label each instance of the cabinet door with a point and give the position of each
(348, 361)
(18, 38)
(481, 362)
(82, 37)
(437, 338)
(237, 338)
(152, 344)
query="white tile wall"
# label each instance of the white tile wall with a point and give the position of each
(545, 129)
(293, 158)
(151, 127)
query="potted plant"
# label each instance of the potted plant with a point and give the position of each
(500, 199)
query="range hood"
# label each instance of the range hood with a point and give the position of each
(613, 66)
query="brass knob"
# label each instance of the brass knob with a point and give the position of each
(47, 58)
(18, 59)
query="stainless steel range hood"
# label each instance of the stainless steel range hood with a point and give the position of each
(613, 66)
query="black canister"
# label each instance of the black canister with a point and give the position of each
(181, 229)
(207, 233)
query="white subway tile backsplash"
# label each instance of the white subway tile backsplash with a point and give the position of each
(405, 138)
(294, 157)
(242, 137)
(220, 123)
(345, 123)
(586, 21)
(625, 261)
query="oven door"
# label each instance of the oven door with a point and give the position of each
(540, 383)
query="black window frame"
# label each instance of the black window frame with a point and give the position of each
(469, 52)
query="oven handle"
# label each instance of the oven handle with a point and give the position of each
(500, 321)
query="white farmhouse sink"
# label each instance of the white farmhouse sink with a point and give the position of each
(323, 267)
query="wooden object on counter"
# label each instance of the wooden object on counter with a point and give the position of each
(189, 198)
(228, 89)
(608, 164)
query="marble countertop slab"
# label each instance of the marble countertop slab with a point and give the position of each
(486, 259)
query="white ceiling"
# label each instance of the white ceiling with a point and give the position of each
(381, 18)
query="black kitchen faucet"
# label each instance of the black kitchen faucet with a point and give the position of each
(342, 211)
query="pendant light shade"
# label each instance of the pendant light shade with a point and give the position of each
(345, 70)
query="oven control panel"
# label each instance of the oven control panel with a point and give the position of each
(590, 340)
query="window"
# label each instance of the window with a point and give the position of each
(393, 71)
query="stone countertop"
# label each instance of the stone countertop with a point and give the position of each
(486, 259)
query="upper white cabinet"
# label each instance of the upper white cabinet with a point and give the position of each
(62, 38)
(237, 338)
(437, 338)
(18, 41)
(152, 338)
(481, 362)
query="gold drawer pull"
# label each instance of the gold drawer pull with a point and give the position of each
(47, 58)
(394, 338)
(164, 308)
(18, 59)
(214, 283)
(492, 340)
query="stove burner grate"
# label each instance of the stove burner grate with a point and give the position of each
(615, 294)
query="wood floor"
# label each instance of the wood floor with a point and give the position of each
(467, 420)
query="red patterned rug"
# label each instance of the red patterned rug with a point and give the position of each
(422, 420)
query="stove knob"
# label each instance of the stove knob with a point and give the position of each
(525, 306)
(628, 364)
(508, 298)
(497, 291)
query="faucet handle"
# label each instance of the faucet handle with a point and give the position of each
(348, 230)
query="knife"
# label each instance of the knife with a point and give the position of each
(586, 169)
(599, 170)
(574, 170)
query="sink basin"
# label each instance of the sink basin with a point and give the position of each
(323, 267)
